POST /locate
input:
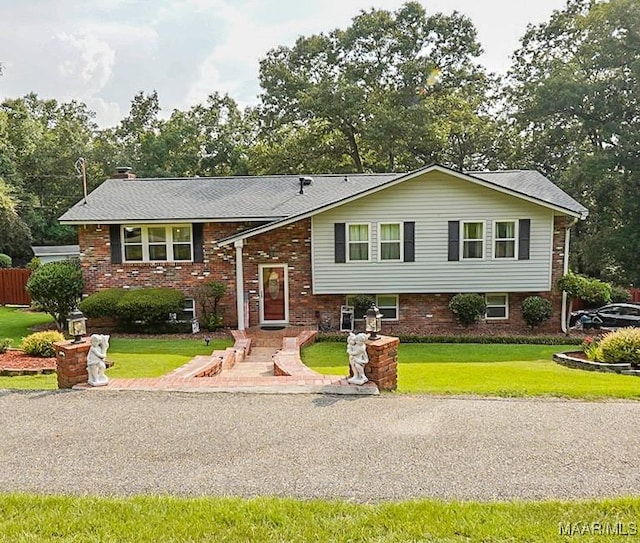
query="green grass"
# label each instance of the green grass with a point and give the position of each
(155, 357)
(488, 370)
(16, 323)
(27, 518)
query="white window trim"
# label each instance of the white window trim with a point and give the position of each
(483, 240)
(144, 234)
(400, 241)
(348, 239)
(496, 239)
(349, 302)
(192, 310)
(506, 306)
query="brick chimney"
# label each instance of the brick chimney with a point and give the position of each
(123, 172)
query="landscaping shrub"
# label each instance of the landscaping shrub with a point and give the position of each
(5, 261)
(468, 308)
(4, 345)
(621, 346)
(34, 264)
(56, 287)
(103, 303)
(595, 293)
(536, 310)
(518, 340)
(151, 306)
(620, 294)
(41, 343)
(591, 348)
(208, 296)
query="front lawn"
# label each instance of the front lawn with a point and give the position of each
(133, 358)
(33, 518)
(487, 370)
(16, 323)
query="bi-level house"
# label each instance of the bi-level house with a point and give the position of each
(294, 249)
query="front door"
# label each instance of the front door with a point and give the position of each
(274, 294)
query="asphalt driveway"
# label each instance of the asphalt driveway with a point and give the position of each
(306, 446)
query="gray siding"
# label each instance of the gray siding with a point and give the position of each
(431, 201)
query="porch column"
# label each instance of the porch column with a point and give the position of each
(239, 284)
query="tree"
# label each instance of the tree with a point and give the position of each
(15, 240)
(384, 88)
(57, 288)
(43, 140)
(574, 93)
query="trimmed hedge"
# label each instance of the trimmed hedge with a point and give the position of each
(147, 309)
(102, 303)
(518, 340)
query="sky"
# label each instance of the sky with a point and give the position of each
(103, 52)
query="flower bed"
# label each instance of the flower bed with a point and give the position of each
(16, 362)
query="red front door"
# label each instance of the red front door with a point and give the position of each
(273, 294)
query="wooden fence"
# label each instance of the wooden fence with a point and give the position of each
(12, 286)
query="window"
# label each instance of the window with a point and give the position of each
(390, 236)
(386, 303)
(189, 310)
(497, 306)
(504, 239)
(472, 240)
(358, 242)
(157, 243)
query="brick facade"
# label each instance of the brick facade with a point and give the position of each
(291, 245)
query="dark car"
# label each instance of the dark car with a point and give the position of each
(608, 316)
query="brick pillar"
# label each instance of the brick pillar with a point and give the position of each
(71, 359)
(382, 368)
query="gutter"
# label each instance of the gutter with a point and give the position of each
(565, 270)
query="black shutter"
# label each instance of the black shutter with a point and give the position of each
(524, 234)
(340, 244)
(409, 242)
(454, 240)
(116, 244)
(198, 242)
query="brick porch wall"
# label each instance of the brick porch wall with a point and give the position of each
(289, 245)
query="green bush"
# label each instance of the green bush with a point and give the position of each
(4, 345)
(591, 348)
(621, 346)
(592, 291)
(34, 264)
(102, 303)
(468, 308)
(150, 306)
(536, 310)
(5, 261)
(56, 287)
(502, 340)
(41, 343)
(620, 294)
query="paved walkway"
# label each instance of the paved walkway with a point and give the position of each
(248, 367)
(364, 449)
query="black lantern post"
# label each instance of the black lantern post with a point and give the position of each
(77, 325)
(373, 321)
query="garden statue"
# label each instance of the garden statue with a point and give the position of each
(96, 360)
(357, 351)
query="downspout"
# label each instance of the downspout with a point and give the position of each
(565, 270)
(239, 284)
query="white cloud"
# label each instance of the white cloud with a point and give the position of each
(87, 60)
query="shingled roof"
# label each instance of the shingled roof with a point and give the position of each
(274, 198)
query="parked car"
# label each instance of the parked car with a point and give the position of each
(608, 316)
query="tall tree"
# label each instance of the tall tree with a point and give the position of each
(44, 139)
(574, 91)
(386, 85)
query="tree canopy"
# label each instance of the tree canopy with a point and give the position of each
(392, 91)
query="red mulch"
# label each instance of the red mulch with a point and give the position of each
(16, 362)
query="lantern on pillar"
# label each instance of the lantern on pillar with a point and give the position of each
(77, 325)
(373, 321)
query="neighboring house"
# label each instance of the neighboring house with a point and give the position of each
(293, 250)
(53, 253)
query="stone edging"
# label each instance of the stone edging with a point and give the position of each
(565, 359)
